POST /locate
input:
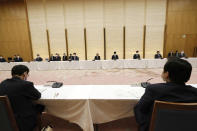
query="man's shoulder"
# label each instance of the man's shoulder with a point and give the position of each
(158, 86)
(18, 80)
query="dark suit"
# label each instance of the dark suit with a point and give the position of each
(136, 56)
(38, 59)
(170, 92)
(114, 57)
(52, 58)
(64, 58)
(58, 58)
(18, 59)
(70, 58)
(170, 54)
(21, 95)
(2, 60)
(181, 55)
(177, 54)
(75, 58)
(158, 56)
(97, 58)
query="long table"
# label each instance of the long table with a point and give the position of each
(90, 65)
(86, 105)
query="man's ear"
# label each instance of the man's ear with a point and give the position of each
(166, 75)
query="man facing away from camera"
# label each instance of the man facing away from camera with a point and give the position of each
(21, 94)
(176, 73)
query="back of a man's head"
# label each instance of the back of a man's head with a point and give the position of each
(179, 70)
(19, 70)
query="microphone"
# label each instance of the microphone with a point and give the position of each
(145, 84)
(56, 84)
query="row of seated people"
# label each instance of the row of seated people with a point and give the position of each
(176, 73)
(16, 58)
(74, 57)
(115, 56)
(57, 57)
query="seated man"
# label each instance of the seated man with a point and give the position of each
(75, 57)
(58, 58)
(64, 57)
(18, 58)
(182, 55)
(177, 54)
(70, 58)
(52, 58)
(170, 54)
(97, 57)
(158, 55)
(176, 73)
(38, 58)
(2, 59)
(114, 56)
(136, 55)
(10, 59)
(21, 94)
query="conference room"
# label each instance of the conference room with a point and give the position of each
(91, 60)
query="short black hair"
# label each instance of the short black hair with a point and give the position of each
(19, 70)
(114, 52)
(179, 70)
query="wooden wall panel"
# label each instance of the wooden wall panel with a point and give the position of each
(38, 28)
(114, 22)
(155, 22)
(55, 24)
(74, 22)
(154, 40)
(181, 26)
(14, 37)
(134, 23)
(94, 28)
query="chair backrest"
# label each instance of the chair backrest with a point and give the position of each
(7, 119)
(168, 116)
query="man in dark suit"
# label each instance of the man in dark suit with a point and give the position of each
(75, 57)
(38, 58)
(170, 54)
(21, 94)
(70, 58)
(52, 58)
(182, 55)
(58, 58)
(176, 73)
(2, 59)
(136, 55)
(158, 55)
(18, 59)
(114, 56)
(97, 57)
(176, 54)
(64, 57)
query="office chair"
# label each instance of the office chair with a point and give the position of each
(168, 116)
(7, 119)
